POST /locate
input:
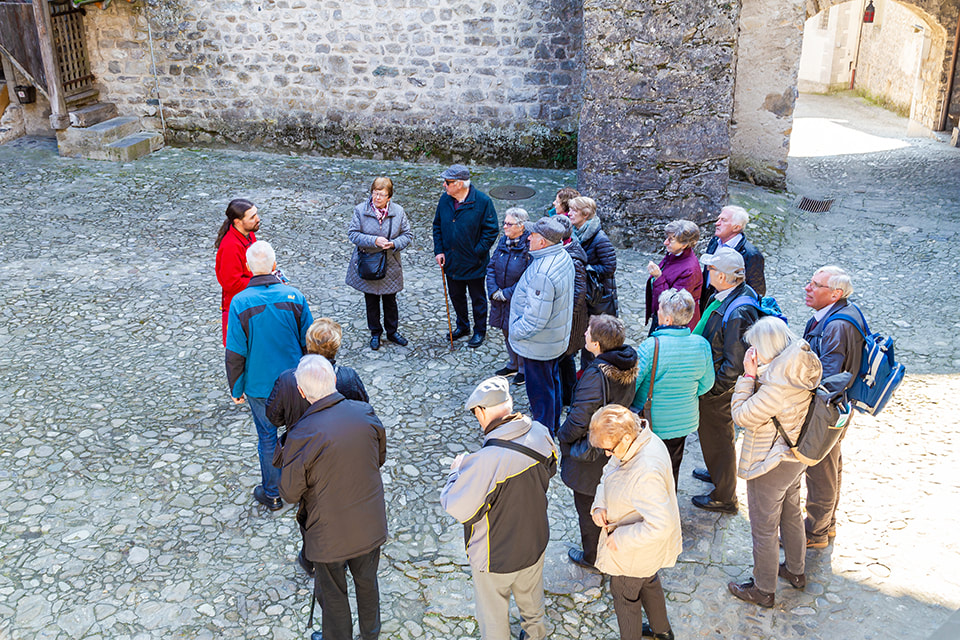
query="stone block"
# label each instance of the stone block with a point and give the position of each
(955, 138)
(93, 114)
(76, 142)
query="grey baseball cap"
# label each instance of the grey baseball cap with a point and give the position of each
(725, 260)
(550, 229)
(456, 172)
(489, 393)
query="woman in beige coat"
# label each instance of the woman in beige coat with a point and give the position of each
(780, 373)
(636, 510)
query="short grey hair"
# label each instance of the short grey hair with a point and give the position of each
(518, 213)
(770, 336)
(686, 232)
(678, 304)
(315, 377)
(839, 279)
(260, 258)
(738, 215)
(466, 183)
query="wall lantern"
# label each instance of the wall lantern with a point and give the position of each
(25, 94)
(868, 13)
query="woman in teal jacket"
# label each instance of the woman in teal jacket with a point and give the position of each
(684, 372)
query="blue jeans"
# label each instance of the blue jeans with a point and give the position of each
(266, 444)
(543, 391)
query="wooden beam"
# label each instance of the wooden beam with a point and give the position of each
(59, 117)
(24, 72)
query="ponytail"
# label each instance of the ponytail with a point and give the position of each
(235, 211)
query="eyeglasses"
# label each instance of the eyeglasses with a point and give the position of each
(511, 224)
(449, 182)
(817, 285)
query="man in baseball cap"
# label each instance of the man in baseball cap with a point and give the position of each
(499, 493)
(730, 311)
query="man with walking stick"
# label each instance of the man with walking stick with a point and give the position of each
(464, 229)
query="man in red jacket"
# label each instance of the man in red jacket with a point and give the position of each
(236, 234)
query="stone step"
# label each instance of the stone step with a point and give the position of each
(79, 142)
(133, 146)
(93, 114)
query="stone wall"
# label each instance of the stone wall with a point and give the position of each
(768, 58)
(496, 81)
(657, 101)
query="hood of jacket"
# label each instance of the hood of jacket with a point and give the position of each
(575, 249)
(796, 366)
(620, 364)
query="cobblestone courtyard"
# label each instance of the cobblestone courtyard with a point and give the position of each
(126, 471)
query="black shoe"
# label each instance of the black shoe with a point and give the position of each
(523, 635)
(396, 338)
(576, 557)
(749, 592)
(374, 342)
(647, 632)
(457, 334)
(702, 475)
(475, 340)
(505, 371)
(518, 379)
(274, 504)
(305, 564)
(796, 580)
(708, 503)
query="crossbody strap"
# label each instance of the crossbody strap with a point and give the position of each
(783, 434)
(653, 372)
(507, 444)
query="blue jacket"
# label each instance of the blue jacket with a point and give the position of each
(684, 372)
(541, 310)
(266, 334)
(505, 268)
(465, 235)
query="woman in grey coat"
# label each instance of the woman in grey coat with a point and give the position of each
(380, 225)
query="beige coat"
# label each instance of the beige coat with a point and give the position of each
(641, 502)
(783, 388)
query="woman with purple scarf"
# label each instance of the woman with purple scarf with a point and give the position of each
(679, 269)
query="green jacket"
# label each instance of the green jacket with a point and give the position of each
(684, 372)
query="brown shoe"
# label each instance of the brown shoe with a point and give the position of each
(832, 532)
(817, 544)
(749, 592)
(796, 580)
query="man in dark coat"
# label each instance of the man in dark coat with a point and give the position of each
(727, 316)
(464, 229)
(331, 465)
(729, 233)
(839, 345)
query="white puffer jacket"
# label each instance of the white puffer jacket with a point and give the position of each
(783, 388)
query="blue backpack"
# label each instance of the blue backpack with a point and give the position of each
(880, 374)
(767, 306)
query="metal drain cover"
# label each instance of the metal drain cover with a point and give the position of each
(817, 206)
(512, 192)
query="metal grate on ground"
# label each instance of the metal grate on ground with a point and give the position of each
(816, 206)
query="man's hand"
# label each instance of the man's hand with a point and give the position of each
(498, 296)
(455, 465)
(239, 400)
(441, 259)
(600, 518)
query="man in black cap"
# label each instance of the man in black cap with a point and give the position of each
(464, 229)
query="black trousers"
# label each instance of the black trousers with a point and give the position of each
(478, 299)
(330, 589)
(568, 378)
(675, 449)
(589, 532)
(391, 316)
(717, 441)
(630, 595)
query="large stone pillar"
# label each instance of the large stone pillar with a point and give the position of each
(654, 140)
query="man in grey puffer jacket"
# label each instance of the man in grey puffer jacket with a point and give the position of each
(541, 315)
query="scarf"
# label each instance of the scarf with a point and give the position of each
(587, 230)
(381, 213)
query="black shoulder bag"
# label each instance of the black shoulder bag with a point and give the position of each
(373, 266)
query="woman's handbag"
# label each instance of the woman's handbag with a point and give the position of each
(373, 266)
(582, 450)
(647, 412)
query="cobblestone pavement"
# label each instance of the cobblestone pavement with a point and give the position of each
(126, 472)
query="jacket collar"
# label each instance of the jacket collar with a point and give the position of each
(672, 331)
(511, 426)
(324, 403)
(547, 251)
(263, 280)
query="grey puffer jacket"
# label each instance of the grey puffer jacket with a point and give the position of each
(783, 388)
(364, 231)
(541, 311)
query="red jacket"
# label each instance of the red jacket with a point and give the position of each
(232, 272)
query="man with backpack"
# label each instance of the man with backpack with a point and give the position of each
(839, 344)
(729, 313)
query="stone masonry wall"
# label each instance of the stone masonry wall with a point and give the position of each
(495, 81)
(768, 60)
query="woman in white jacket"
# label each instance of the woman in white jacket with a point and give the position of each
(780, 373)
(636, 510)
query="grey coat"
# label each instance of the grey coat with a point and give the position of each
(364, 231)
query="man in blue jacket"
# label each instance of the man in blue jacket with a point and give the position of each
(266, 335)
(464, 229)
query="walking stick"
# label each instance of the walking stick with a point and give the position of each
(446, 299)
